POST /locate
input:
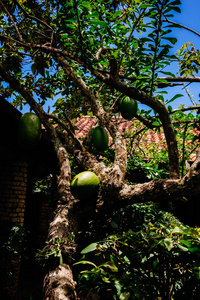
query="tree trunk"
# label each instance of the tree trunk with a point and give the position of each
(58, 282)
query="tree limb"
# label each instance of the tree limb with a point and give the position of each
(159, 190)
(153, 102)
(181, 26)
(9, 15)
(97, 108)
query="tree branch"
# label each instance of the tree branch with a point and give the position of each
(185, 108)
(33, 17)
(97, 108)
(181, 26)
(69, 131)
(159, 190)
(158, 106)
(10, 17)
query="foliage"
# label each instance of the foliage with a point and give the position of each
(59, 51)
(189, 59)
(53, 248)
(15, 240)
(45, 186)
(157, 256)
(90, 34)
(82, 28)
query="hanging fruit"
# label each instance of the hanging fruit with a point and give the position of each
(85, 185)
(100, 138)
(29, 130)
(128, 108)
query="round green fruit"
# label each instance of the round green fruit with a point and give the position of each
(128, 108)
(29, 130)
(85, 185)
(100, 138)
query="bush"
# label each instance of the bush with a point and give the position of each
(157, 256)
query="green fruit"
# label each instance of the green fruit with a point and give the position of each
(128, 108)
(29, 130)
(85, 185)
(100, 138)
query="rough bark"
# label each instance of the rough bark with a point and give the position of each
(159, 190)
(58, 282)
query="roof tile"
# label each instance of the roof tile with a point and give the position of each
(85, 123)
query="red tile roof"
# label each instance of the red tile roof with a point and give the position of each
(85, 123)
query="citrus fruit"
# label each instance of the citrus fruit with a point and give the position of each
(128, 108)
(85, 185)
(100, 138)
(29, 130)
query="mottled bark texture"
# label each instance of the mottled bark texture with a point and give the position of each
(58, 282)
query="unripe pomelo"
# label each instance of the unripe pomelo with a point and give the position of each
(29, 130)
(128, 108)
(100, 138)
(85, 185)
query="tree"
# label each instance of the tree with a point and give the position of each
(92, 54)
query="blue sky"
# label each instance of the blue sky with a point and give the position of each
(190, 17)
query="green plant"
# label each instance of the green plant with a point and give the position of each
(53, 248)
(153, 255)
(45, 186)
(15, 241)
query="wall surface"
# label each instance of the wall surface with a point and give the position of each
(13, 185)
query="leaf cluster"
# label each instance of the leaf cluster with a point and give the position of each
(157, 256)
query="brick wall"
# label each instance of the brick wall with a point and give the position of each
(13, 185)
(13, 188)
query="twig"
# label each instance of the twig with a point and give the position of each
(69, 121)
(69, 131)
(183, 149)
(185, 108)
(128, 40)
(33, 17)
(181, 26)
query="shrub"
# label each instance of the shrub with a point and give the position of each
(157, 256)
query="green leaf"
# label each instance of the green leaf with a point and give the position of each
(116, 14)
(194, 249)
(168, 243)
(168, 74)
(177, 230)
(175, 97)
(90, 248)
(181, 247)
(171, 40)
(86, 5)
(186, 243)
(156, 123)
(124, 296)
(85, 262)
(110, 266)
(97, 22)
(118, 287)
(196, 270)
(169, 108)
(34, 69)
